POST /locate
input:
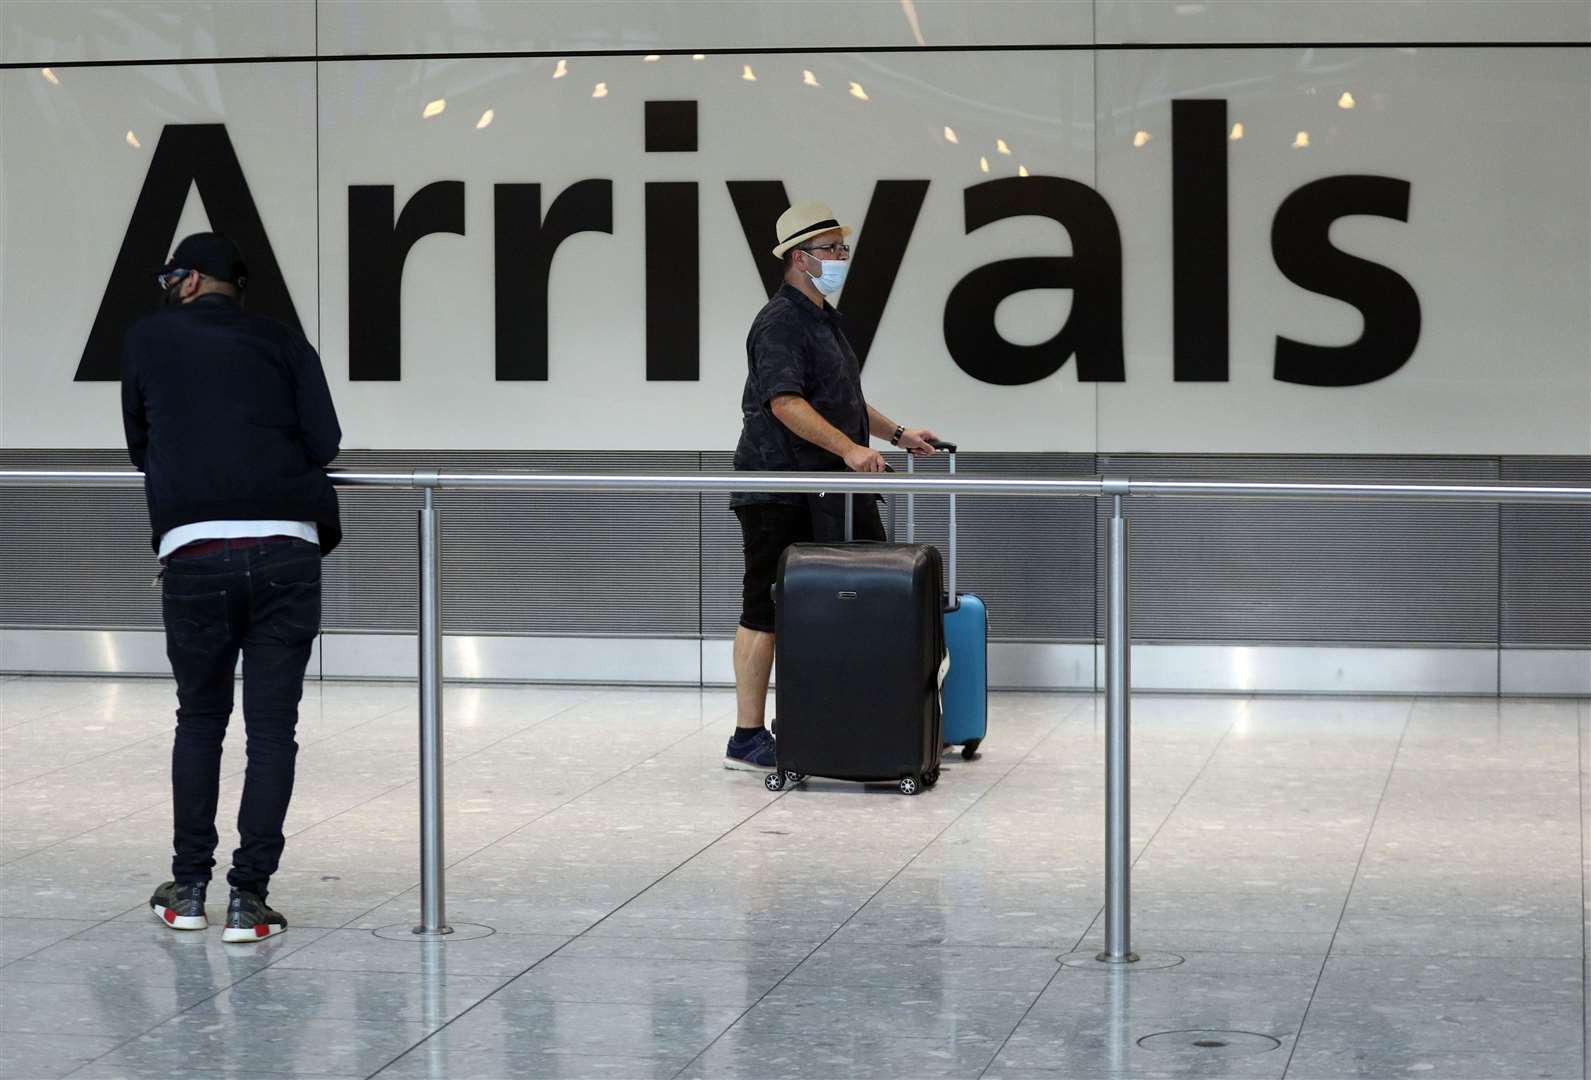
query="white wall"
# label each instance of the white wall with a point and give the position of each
(1495, 144)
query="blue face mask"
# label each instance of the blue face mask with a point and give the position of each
(833, 277)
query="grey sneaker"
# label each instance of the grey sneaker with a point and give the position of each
(180, 906)
(249, 919)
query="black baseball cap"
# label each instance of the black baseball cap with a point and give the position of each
(213, 255)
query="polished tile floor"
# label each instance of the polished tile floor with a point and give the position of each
(1354, 887)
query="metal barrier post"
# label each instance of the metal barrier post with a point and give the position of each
(433, 913)
(1118, 752)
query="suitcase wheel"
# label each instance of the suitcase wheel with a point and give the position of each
(931, 777)
(909, 785)
(793, 777)
(969, 749)
(774, 781)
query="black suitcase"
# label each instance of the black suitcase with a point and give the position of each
(859, 640)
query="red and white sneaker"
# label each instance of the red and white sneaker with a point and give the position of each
(180, 905)
(248, 919)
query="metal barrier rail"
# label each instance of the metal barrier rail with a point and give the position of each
(1118, 642)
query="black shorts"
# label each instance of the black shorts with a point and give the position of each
(766, 529)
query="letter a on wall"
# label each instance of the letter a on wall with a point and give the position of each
(187, 155)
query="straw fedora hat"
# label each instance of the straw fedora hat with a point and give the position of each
(803, 221)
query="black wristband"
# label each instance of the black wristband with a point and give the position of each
(900, 429)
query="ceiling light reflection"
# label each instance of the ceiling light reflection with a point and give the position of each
(1022, 170)
(486, 119)
(1242, 668)
(601, 90)
(1142, 138)
(561, 70)
(983, 164)
(999, 144)
(911, 20)
(652, 58)
(1237, 131)
(747, 74)
(1346, 101)
(49, 77)
(434, 108)
(858, 93)
(1301, 140)
(950, 134)
(810, 79)
(132, 141)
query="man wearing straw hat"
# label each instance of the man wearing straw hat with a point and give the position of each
(802, 411)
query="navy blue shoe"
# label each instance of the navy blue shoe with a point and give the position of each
(756, 754)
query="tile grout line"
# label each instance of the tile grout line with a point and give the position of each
(219, 990)
(139, 810)
(446, 761)
(233, 985)
(89, 682)
(576, 937)
(1089, 929)
(527, 824)
(179, 1014)
(119, 749)
(165, 799)
(1208, 761)
(1303, 1020)
(465, 757)
(363, 723)
(42, 716)
(1055, 729)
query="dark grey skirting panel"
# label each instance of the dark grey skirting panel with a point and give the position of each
(649, 566)
(1546, 560)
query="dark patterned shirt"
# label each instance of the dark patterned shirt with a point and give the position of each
(796, 347)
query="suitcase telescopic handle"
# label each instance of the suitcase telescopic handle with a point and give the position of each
(911, 516)
(850, 510)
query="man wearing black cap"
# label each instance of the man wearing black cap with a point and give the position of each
(229, 418)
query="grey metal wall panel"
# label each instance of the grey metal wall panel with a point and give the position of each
(523, 563)
(1271, 571)
(563, 565)
(662, 566)
(722, 565)
(1546, 560)
(1031, 559)
(75, 557)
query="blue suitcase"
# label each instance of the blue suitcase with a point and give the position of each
(966, 689)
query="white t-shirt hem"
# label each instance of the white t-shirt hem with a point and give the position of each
(183, 535)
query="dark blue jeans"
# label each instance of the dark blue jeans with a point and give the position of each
(260, 598)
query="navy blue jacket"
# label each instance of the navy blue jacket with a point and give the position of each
(229, 417)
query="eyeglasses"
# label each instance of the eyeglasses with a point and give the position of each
(167, 278)
(846, 248)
